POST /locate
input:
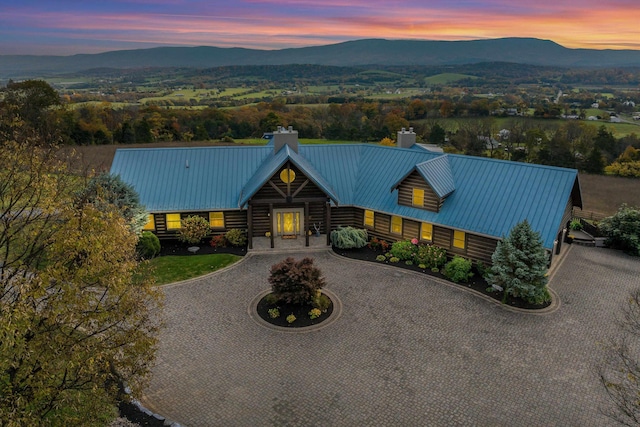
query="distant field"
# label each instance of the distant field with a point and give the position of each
(398, 94)
(99, 157)
(444, 78)
(604, 194)
(619, 130)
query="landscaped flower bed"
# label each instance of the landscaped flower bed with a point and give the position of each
(476, 282)
(304, 314)
(175, 247)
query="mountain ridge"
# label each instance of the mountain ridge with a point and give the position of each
(362, 52)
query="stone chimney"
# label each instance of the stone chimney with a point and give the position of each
(406, 139)
(283, 136)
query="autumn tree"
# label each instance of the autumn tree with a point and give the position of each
(619, 368)
(30, 101)
(75, 305)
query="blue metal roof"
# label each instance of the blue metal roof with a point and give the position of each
(490, 196)
(271, 166)
(213, 179)
(437, 173)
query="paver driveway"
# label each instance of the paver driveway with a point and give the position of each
(406, 351)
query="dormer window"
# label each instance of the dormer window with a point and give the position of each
(418, 197)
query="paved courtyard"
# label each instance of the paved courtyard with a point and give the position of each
(406, 351)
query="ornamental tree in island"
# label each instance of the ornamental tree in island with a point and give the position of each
(296, 282)
(520, 265)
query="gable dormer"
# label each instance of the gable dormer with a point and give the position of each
(426, 185)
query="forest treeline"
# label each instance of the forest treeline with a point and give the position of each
(467, 126)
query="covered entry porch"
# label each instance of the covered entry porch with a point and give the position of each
(263, 244)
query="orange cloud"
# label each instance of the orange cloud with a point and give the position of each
(272, 24)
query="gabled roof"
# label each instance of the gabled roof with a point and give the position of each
(437, 173)
(273, 164)
(490, 196)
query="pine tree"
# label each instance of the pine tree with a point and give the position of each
(595, 162)
(520, 265)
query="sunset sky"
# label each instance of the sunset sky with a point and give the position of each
(65, 27)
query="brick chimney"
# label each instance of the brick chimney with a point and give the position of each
(284, 136)
(406, 139)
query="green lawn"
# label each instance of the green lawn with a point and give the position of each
(169, 269)
(446, 78)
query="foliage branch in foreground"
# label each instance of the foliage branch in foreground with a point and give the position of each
(75, 305)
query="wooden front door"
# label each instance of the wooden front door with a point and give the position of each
(288, 222)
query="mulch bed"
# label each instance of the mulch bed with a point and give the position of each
(176, 247)
(476, 283)
(300, 311)
(132, 413)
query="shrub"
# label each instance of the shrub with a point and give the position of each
(381, 258)
(219, 241)
(271, 299)
(404, 250)
(623, 229)
(394, 259)
(432, 256)
(314, 313)
(349, 238)
(422, 266)
(291, 318)
(194, 229)
(148, 245)
(458, 269)
(408, 262)
(296, 282)
(483, 270)
(575, 224)
(236, 237)
(274, 313)
(321, 301)
(378, 244)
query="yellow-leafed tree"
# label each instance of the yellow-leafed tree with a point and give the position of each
(76, 308)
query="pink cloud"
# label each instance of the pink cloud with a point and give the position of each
(293, 23)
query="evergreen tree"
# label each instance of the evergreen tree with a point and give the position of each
(520, 265)
(594, 162)
(606, 142)
(105, 191)
(437, 134)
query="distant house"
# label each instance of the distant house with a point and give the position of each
(462, 203)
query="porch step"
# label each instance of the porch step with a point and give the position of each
(583, 238)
